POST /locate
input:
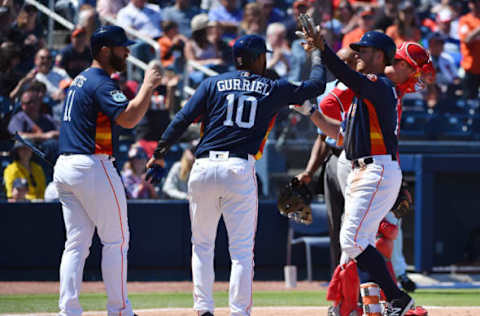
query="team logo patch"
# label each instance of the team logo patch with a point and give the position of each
(372, 77)
(118, 96)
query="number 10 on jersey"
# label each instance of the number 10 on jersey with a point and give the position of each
(239, 111)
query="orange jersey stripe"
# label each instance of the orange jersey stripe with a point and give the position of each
(377, 145)
(103, 135)
(259, 153)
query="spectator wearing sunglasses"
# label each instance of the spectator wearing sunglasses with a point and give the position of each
(23, 167)
(365, 24)
(31, 123)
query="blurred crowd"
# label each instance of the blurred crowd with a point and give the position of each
(34, 77)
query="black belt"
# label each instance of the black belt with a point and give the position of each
(336, 151)
(230, 155)
(366, 161)
(69, 154)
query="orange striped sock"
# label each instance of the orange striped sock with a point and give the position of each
(370, 299)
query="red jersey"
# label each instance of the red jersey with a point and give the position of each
(337, 102)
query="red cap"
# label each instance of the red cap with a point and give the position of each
(367, 11)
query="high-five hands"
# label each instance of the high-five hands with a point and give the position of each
(312, 35)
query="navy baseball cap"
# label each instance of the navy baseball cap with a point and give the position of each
(248, 47)
(377, 40)
(110, 36)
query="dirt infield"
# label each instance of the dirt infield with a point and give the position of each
(275, 311)
(139, 287)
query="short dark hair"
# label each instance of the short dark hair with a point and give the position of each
(169, 25)
(37, 86)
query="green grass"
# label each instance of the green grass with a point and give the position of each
(48, 302)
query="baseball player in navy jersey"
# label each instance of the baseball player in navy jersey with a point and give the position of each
(334, 103)
(369, 136)
(237, 110)
(89, 187)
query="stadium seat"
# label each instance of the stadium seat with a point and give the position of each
(453, 127)
(413, 104)
(413, 124)
(4, 162)
(5, 105)
(124, 145)
(476, 127)
(313, 235)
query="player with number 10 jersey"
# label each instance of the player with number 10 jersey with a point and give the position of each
(237, 111)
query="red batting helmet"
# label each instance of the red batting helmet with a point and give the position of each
(419, 58)
(413, 53)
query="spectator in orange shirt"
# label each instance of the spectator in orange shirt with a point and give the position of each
(365, 24)
(171, 43)
(345, 13)
(405, 27)
(469, 33)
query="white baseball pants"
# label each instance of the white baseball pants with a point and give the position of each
(92, 195)
(370, 194)
(228, 187)
(344, 167)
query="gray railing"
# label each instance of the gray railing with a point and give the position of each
(53, 16)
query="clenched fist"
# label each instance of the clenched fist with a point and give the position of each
(154, 74)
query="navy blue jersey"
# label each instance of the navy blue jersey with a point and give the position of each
(92, 104)
(238, 109)
(370, 127)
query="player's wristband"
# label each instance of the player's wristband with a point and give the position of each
(316, 57)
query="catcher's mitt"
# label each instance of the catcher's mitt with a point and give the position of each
(294, 202)
(403, 204)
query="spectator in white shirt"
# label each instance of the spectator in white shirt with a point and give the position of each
(278, 43)
(50, 76)
(446, 71)
(143, 17)
(110, 8)
(176, 184)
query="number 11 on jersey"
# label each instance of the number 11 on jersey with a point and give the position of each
(67, 114)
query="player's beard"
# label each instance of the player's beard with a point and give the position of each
(118, 63)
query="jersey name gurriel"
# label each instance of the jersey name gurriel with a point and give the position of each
(238, 109)
(92, 104)
(243, 85)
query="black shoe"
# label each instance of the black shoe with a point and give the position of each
(406, 283)
(399, 306)
(207, 314)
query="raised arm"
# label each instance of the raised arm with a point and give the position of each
(139, 105)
